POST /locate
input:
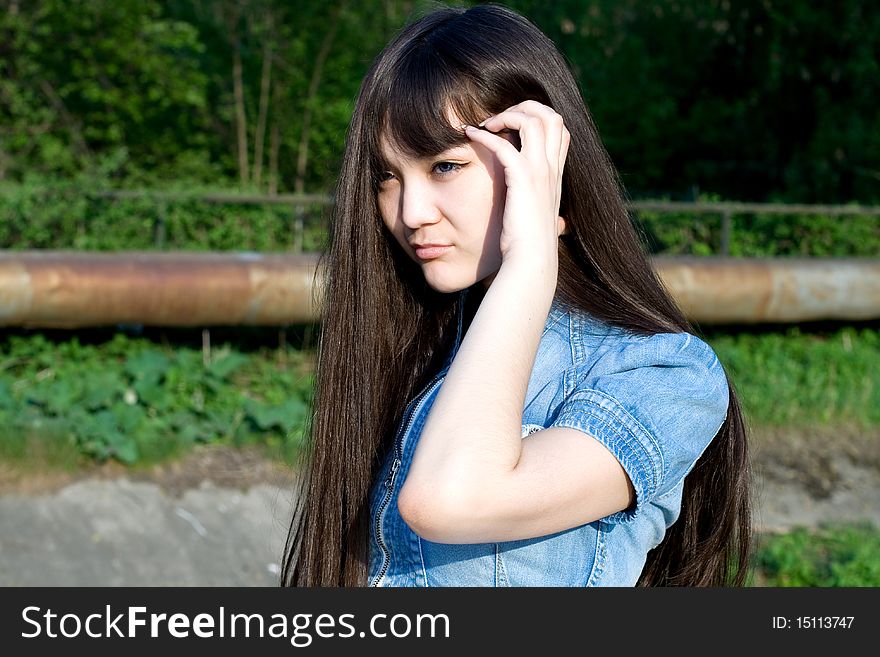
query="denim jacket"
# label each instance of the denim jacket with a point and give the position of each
(655, 402)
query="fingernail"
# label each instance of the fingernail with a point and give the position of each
(469, 128)
(483, 122)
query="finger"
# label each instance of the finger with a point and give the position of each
(501, 148)
(561, 226)
(553, 125)
(554, 128)
(563, 154)
(555, 136)
(533, 143)
(510, 135)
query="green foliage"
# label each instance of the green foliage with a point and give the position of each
(838, 556)
(59, 214)
(760, 235)
(127, 399)
(789, 378)
(86, 80)
(754, 100)
(772, 235)
(71, 214)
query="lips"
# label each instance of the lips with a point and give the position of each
(428, 251)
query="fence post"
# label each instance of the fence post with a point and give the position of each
(725, 232)
(298, 227)
(159, 228)
(206, 347)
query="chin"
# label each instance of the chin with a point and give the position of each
(446, 284)
(446, 288)
(448, 281)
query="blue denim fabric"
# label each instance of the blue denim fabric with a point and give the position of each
(655, 402)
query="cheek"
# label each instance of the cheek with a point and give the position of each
(489, 189)
(483, 199)
(496, 193)
(499, 187)
(385, 210)
(388, 212)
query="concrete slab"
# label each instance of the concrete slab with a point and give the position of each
(125, 533)
(220, 519)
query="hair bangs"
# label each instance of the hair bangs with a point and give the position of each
(428, 101)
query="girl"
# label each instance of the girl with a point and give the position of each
(506, 394)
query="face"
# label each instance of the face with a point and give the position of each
(446, 213)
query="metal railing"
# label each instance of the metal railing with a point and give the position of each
(171, 288)
(297, 202)
(726, 210)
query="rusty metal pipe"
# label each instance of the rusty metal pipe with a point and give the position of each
(714, 290)
(50, 289)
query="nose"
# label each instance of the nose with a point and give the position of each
(418, 206)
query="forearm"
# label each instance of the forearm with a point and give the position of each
(472, 433)
(467, 457)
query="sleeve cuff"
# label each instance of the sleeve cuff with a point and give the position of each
(605, 419)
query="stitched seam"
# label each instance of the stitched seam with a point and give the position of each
(599, 560)
(630, 423)
(642, 462)
(637, 461)
(554, 322)
(422, 558)
(500, 571)
(576, 347)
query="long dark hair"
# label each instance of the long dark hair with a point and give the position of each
(384, 330)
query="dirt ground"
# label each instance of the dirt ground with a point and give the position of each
(810, 478)
(800, 478)
(222, 466)
(219, 516)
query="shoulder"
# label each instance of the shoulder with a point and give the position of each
(655, 401)
(678, 359)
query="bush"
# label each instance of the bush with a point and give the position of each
(70, 214)
(63, 215)
(846, 555)
(132, 400)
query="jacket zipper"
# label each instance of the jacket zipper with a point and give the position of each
(395, 466)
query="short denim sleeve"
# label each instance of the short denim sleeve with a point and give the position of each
(655, 402)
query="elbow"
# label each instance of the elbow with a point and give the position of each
(436, 513)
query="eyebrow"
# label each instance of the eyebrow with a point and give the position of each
(427, 158)
(451, 148)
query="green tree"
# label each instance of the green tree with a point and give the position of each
(87, 85)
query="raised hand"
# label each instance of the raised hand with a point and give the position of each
(533, 175)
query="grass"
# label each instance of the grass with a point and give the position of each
(149, 397)
(40, 448)
(830, 556)
(804, 377)
(139, 400)
(69, 400)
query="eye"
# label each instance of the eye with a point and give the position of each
(383, 176)
(445, 168)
